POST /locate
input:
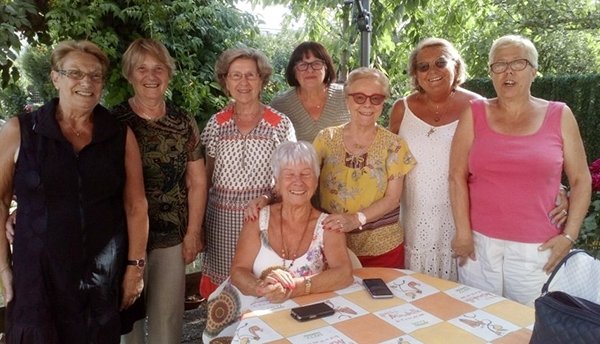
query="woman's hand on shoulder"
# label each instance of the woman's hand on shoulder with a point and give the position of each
(254, 206)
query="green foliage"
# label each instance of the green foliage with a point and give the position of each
(12, 101)
(13, 18)
(35, 66)
(589, 236)
(196, 32)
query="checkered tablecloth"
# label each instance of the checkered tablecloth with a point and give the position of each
(424, 310)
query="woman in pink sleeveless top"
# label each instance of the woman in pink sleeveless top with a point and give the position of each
(507, 157)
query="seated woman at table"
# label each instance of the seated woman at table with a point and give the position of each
(286, 252)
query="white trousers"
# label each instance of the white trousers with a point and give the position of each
(164, 290)
(508, 268)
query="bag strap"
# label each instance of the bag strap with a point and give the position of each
(558, 266)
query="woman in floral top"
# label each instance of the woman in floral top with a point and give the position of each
(362, 171)
(286, 253)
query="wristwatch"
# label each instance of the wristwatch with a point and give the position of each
(140, 263)
(362, 218)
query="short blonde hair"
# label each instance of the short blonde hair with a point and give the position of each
(65, 47)
(139, 48)
(461, 68)
(228, 56)
(531, 53)
(368, 73)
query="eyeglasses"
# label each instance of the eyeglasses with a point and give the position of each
(76, 74)
(440, 63)
(315, 65)
(515, 65)
(237, 76)
(361, 98)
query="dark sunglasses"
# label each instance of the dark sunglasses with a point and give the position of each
(440, 63)
(361, 98)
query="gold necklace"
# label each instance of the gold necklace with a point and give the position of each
(284, 250)
(144, 115)
(436, 108)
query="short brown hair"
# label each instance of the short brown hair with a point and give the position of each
(65, 47)
(303, 50)
(142, 46)
(461, 68)
(228, 56)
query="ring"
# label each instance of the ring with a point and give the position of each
(338, 221)
(564, 212)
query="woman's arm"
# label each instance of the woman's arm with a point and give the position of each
(580, 181)
(10, 140)
(136, 211)
(196, 182)
(396, 116)
(339, 272)
(243, 260)
(462, 244)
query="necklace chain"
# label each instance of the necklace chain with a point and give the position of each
(436, 107)
(162, 111)
(284, 249)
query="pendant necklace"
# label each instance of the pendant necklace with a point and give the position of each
(436, 109)
(284, 250)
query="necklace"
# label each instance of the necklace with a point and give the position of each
(144, 115)
(436, 108)
(71, 127)
(284, 249)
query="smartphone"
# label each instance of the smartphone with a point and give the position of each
(308, 312)
(377, 288)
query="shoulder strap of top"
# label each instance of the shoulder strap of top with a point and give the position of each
(478, 111)
(263, 218)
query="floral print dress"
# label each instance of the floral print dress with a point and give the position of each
(227, 304)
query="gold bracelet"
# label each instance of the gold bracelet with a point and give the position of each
(570, 238)
(307, 285)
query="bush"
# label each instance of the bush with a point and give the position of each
(12, 101)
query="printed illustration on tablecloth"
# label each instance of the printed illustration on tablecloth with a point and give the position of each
(473, 296)
(344, 310)
(484, 325)
(324, 335)
(355, 286)
(406, 339)
(261, 306)
(410, 289)
(407, 317)
(254, 330)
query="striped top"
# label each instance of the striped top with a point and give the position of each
(334, 113)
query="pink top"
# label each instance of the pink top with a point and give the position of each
(514, 180)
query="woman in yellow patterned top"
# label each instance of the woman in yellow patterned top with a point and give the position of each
(362, 172)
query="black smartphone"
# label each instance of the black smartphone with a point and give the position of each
(316, 310)
(377, 288)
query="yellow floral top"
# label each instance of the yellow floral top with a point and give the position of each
(351, 183)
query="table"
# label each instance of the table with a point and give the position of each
(424, 310)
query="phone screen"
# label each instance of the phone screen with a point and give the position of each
(377, 288)
(316, 310)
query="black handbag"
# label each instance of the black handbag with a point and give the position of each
(561, 318)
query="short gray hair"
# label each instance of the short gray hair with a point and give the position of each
(531, 53)
(368, 73)
(289, 153)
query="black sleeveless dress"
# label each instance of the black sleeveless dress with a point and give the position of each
(70, 241)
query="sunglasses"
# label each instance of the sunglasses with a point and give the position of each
(440, 63)
(361, 98)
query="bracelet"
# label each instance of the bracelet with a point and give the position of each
(570, 238)
(307, 285)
